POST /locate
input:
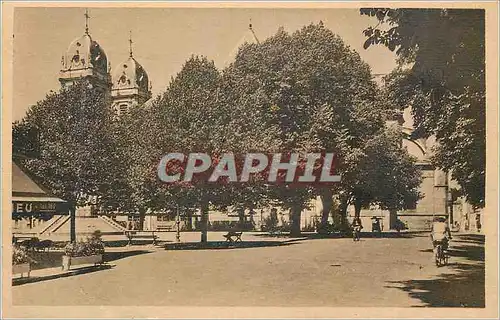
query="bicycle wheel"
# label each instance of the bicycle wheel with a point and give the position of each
(438, 255)
(445, 258)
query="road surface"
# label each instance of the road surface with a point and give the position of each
(375, 272)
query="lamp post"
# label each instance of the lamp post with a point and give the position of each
(261, 219)
(178, 224)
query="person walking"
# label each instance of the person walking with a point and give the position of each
(478, 223)
(356, 229)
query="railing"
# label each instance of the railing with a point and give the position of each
(166, 226)
(60, 224)
(113, 223)
(51, 224)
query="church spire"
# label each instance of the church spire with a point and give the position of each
(130, 44)
(250, 27)
(87, 17)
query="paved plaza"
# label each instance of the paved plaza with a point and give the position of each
(309, 272)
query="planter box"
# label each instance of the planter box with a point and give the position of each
(21, 269)
(68, 261)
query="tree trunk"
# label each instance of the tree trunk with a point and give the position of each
(393, 219)
(204, 222)
(142, 217)
(295, 213)
(357, 208)
(72, 225)
(189, 226)
(344, 205)
(241, 216)
(327, 201)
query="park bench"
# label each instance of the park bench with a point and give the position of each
(17, 239)
(232, 234)
(276, 232)
(150, 235)
(30, 243)
(44, 245)
(166, 227)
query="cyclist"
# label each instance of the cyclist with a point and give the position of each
(440, 233)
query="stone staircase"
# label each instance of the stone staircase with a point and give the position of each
(86, 226)
(113, 223)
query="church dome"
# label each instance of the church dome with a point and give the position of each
(130, 74)
(85, 53)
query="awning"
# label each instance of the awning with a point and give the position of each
(37, 199)
(31, 199)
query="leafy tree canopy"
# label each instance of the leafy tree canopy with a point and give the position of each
(76, 144)
(442, 77)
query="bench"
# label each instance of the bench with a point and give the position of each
(44, 245)
(141, 235)
(21, 238)
(30, 244)
(231, 234)
(166, 227)
(276, 233)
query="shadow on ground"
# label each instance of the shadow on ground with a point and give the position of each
(338, 235)
(135, 242)
(44, 260)
(464, 287)
(465, 246)
(53, 259)
(75, 272)
(113, 256)
(470, 238)
(220, 245)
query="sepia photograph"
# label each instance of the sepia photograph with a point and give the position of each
(250, 156)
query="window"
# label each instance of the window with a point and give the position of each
(123, 109)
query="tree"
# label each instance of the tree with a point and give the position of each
(134, 189)
(202, 112)
(76, 145)
(442, 77)
(316, 89)
(190, 120)
(386, 174)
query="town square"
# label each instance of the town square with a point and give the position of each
(249, 157)
(268, 271)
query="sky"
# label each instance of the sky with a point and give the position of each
(163, 39)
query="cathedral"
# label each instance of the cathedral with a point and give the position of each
(85, 59)
(129, 86)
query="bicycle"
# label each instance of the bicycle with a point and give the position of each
(441, 255)
(356, 233)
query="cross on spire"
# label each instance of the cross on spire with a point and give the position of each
(250, 26)
(130, 43)
(87, 17)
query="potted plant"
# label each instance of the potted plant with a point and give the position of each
(20, 261)
(84, 252)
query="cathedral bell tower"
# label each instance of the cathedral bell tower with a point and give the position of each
(85, 59)
(131, 85)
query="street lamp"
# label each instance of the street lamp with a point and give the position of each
(261, 219)
(178, 224)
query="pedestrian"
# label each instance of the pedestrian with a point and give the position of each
(356, 228)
